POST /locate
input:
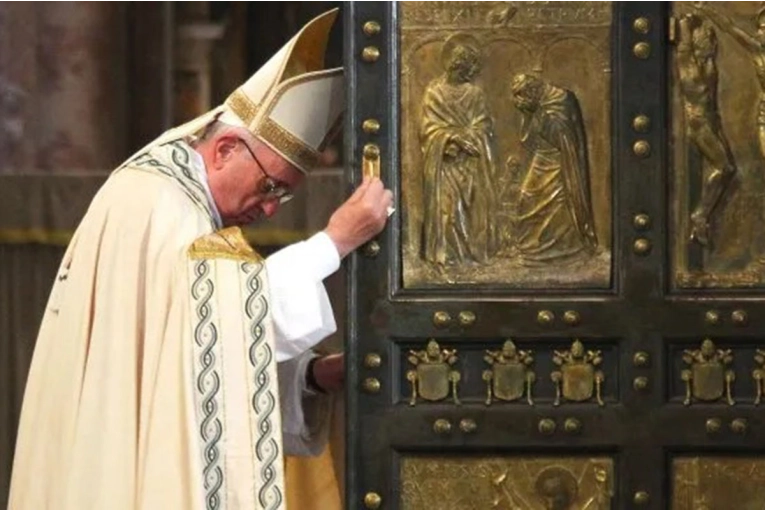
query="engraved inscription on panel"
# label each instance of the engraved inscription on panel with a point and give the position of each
(505, 126)
(718, 144)
(506, 483)
(712, 483)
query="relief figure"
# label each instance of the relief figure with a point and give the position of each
(697, 70)
(754, 43)
(456, 132)
(555, 220)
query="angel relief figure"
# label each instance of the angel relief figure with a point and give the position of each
(458, 165)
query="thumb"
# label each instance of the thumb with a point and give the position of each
(361, 190)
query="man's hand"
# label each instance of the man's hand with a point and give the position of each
(329, 372)
(465, 144)
(361, 217)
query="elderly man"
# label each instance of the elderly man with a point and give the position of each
(154, 381)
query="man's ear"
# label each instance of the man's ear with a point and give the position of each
(224, 150)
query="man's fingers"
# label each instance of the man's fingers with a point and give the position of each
(361, 190)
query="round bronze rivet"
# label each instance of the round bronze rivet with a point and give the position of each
(370, 54)
(712, 317)
(371, 249)
(370, 126)
(468, 425)
(371, 385)
(642, 149)
(641, 498)
(641, 359)
(442, 426)
(642, 50)
(739, 317)
(641, 123)
(372, 500)
(466, 318)
(546, 426)
(642, 246)
(572, 426)
(640, 383)
(641, 222)
(713, 425)
(441, 319)
(372, 360)
(571, 317)
(545, 317)
(641, 25)
(371, 28)
(738, 426)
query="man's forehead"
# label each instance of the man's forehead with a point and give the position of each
(278, 165)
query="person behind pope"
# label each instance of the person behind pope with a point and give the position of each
(171, 366)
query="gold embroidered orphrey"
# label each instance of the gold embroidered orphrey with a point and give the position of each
(228, 243)
(578, 378)
(510, 374)
(708, 380)
(433, 378)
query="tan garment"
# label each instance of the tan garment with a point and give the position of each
(153, 383)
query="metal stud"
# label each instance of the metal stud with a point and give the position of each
(372, 385)
(370, 54)
(641, 148)
(545, 317)
(641, 222)
(641, 123)
(371, 28)
(370, 126)
(642, 50)
(641, 25)
(372, 500)
(441, 319)
(641, 246)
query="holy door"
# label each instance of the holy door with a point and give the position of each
(567, 309)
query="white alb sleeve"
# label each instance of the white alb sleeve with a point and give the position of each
(300, 308)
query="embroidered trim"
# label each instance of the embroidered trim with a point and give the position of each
(244, 107)
(180, 171)
(264, 401)
(228, 243)
(209, 405)
(287, 144)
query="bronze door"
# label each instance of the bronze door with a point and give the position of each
(566, 309)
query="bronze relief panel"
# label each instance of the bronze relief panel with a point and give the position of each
(709, 483)
(505, 144)
(506, 483)
(718, 144)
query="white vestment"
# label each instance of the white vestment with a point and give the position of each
(118, 411)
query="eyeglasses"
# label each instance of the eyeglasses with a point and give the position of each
(272, 188)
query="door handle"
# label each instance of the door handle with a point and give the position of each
(370, 166)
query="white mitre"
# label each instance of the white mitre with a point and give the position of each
(292, 103)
